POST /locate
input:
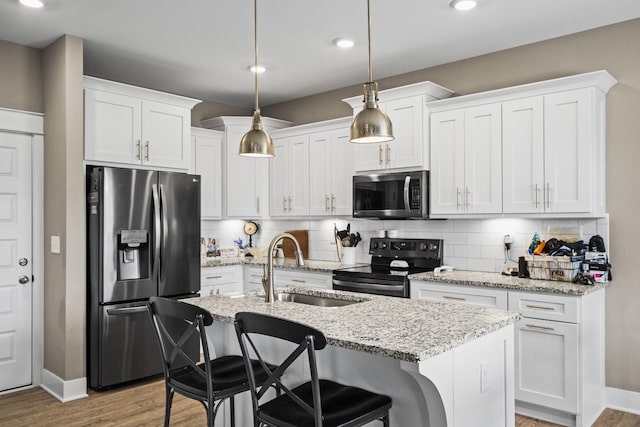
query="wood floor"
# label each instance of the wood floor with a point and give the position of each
(143, 405)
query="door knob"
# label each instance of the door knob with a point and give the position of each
(23, 262)
(23, 279)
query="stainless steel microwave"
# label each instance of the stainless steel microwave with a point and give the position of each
(396, 195)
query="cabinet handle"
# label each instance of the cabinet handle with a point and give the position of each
(380, 154)
(548, 195)
(326, 203)
(536, 193)
(455, 298)
(466, 197)
(333, 202)
(546, 328)
(284, 204)
(289, 203)
(388, 153)
(457, 199)
(147, 147)
(214, 277)
(540, 307)
(298, 280)
(139, 150)
(257, 275)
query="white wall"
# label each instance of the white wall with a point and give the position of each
(468, 244)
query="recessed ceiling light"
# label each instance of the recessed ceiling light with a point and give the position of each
(259, 69)
(32, 3)
(343, 43)
(463, 4)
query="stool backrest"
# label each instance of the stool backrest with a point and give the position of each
(308, 340)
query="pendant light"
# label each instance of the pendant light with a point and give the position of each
(371, 125)
(256, 142)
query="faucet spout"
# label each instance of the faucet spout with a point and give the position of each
(269, 293)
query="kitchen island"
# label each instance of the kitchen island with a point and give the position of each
(442, 364)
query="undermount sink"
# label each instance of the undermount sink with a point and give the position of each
(313, 299)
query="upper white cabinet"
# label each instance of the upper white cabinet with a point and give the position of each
(405, 107)
(331, 169)
(550, 142)
(290, 177)
(135, 126)
(206, 147)
(466, 173)
(246, 179)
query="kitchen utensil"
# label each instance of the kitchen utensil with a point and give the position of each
(338, 242)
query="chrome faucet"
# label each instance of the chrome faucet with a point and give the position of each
(267, 282)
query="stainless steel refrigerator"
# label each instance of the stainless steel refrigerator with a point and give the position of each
(143, 240)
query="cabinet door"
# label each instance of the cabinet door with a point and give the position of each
(341, 173)
(112, 127)
(406, 116)
(165, 135)
(369, 157)
(208, 164)
(279, 178)
(483, 159)
(298, 198)
(321, 164)
(547, 363)
(568, 151)
(447, 162)
(523, 155)
(247, 184)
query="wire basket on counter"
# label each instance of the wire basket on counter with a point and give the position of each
(547, 267)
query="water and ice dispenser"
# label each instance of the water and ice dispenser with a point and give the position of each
(133, 254)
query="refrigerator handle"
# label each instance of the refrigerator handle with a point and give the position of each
(156, 229)
(165, 229)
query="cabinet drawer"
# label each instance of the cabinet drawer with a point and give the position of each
(252, 278)
(459, 294)
(542, 306)
(221, 275)
(303, 278)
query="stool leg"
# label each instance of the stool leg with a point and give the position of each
(385, 420)
(232, 410)
(167, 405)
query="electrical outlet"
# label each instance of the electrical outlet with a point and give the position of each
(484, 376)
(508, 241)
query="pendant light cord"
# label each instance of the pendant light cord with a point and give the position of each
(255, 50)
(369, 39)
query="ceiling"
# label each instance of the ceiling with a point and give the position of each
(202, 48)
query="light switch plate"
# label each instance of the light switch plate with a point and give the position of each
(55, 244)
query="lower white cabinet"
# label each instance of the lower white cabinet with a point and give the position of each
(224, 280)
(559, 347)
(288, 277)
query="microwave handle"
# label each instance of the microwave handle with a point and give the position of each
(407, 181)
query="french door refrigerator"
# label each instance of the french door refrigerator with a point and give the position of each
(143, 240)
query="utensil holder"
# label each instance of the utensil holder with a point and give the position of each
(348, 255)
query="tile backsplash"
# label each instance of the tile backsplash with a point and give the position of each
(469, 244)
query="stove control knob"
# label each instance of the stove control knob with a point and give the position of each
(383, 245)
(374, 245)
(423, 246)
(433, 247)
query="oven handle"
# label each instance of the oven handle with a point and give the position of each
(355, 285)
(407, 181)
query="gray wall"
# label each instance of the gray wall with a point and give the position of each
(614, 48)
(20, 77)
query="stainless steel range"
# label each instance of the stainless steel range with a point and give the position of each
(392, 260)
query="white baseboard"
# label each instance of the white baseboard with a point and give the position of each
(623, 400)
(64, 391)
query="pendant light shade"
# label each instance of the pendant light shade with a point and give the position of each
(371, 125)
(256, 142)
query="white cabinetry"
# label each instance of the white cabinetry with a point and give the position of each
(290, 177)
(405, 107)
(206, 146)
(559, 348)
(331, 169)
(246, 179)
(226, 280)
(466, 155)
(288, 277)
(552, 150)
(134, 126)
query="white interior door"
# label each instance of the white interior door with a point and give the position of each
(15, 260)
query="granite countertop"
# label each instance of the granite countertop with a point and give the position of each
(284, 263)
(496, 280)
(399, 328)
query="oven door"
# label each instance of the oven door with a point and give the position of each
(391, 195)
(392, 288)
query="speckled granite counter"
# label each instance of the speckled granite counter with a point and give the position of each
(284, 263)
(399, 328)
(495, 280)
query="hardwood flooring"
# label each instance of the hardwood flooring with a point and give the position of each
(143, 405)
